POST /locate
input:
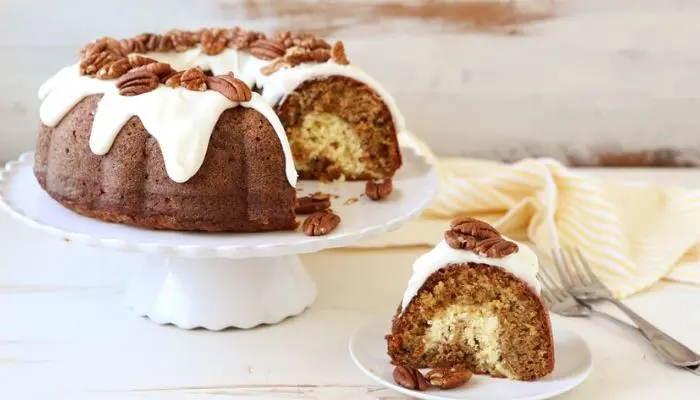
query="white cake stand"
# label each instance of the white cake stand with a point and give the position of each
(217, 281)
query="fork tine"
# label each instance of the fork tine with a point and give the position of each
(546, 296)
(550, 284)
(559, 263)
(576, 274)
(588, 271)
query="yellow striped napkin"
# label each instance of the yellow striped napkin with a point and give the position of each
(632, 234)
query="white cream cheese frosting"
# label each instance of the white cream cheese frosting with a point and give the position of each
(523, 264)
(182, 120)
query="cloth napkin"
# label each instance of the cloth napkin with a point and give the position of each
(632, 234)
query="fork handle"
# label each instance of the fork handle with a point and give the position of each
(662, 342)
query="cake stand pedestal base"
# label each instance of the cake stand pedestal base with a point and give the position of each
(225, 280)
(218, 293)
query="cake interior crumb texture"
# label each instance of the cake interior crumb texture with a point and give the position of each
(340, 128)
(479, 317)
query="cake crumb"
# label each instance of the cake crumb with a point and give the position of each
(351, 200)
(67, 240)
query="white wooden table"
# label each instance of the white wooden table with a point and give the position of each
(65, 334)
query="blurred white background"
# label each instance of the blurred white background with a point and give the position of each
(571, 78)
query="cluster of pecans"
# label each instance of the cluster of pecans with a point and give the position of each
(108, 58)
(144, 75)
(468, 233)
(321, 220)
(443, 378)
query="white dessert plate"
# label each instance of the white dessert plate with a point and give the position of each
(573, 364)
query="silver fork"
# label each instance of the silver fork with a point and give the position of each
(561, 302)
(579, 279)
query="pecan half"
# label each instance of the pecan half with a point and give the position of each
(232, 88)
(311, 204)
(139, 61)
(410, 378)
(214, 41)
(448, 378)
(266, 49)
(242, 39)
(474, 227)
(182, 40)
(94, 62)
(300, 56)
(103, 44)
(194, 79)
(133, 45)
(286, 38)
(114, 70)
(173, 80)
(496, 247)
(378, 190)
(320, 223)
(137, 82)
(154, 42)
(307, 41)
(338, 54)
(275, 66)
(162, 70)
(461, 241)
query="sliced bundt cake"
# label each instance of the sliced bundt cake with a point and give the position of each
(473, 302)
(166, 131)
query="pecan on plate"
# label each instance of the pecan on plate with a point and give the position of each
(448, 378)
(266, 49)
(134, 83)
(378, 190)
(194, 79)
(410, 378)
(232, 88)
(320, 223)
(338, 54)
(312, 203)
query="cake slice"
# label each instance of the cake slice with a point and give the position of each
(473, 302)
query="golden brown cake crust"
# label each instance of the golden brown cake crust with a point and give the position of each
(240, 187)
(355, 109)
(524, 336)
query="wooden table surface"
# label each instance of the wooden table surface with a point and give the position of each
(65, 333)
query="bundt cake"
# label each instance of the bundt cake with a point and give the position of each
(209, 130)
(473, 302)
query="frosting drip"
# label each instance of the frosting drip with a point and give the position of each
(182, 120)
(523, 264)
